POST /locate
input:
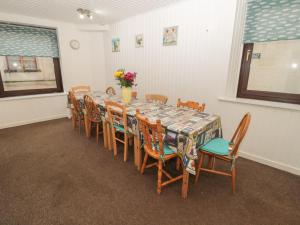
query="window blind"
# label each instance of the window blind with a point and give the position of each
(272, 20)
(28, 41)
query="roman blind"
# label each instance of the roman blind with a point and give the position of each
(28, 41)
(272, 20)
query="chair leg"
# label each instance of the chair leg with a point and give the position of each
(114, 141)
(89, 128)
(130, 141)
(177, 163)
(86, 125)
(73, 120)
(125, 147)
(210, 159)
(144, 163)
(233, 177)
(211, 162)
(104, 133)
(159, 176)
(199, 166)
(108, 136)
(79, 124)
(97, 133)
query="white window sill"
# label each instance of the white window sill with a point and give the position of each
(32, 96)
(261, 103)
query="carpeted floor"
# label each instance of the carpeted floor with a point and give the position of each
(50, 174)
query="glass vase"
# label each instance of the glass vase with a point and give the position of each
(126, 94)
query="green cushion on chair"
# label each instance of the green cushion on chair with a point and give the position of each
(217, 146)
(119, 128)
(167, 149)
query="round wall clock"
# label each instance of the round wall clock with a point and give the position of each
(74, 44)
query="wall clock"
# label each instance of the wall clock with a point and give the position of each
(74, 44)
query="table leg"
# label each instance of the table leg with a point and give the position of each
(104, 133)
(137, 153)
(185, 184)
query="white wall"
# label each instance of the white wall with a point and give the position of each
(197, 69)
(83, 66)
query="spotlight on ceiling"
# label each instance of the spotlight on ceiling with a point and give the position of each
(84, 13)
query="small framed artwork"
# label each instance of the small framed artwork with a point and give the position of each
(170, 35)
(115, 44)
(139, 40)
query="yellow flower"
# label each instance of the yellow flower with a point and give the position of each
(118, 74)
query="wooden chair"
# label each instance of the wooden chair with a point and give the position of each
(191, 105)
(134, 94)
(93, 116)
(156, 98)
(77, 113)
(156, 149)
(85, 89)
(117, 117)
(224, 150)
(110, 91)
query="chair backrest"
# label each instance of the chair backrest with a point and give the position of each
(74, 102)
(81, 89)
(156, 98)
(191, 105)
(134, 94)
(110, 91)
(117, 114)
(240, 133)
(152, 132)
(92, 110)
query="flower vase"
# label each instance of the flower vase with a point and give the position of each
(126, 94)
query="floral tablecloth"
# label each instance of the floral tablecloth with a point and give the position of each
(185, 129)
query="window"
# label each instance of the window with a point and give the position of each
(21, 64)
(29, 61)
(270, 68)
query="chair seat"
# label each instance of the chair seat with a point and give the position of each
(217, 146)
(167, 149)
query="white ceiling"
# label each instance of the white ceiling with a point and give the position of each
(105, 11)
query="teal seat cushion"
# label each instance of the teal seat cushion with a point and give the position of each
(119, 128)
(167, 149)
(217, 146)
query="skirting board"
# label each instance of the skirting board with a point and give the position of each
(270, 163)
(20, 123)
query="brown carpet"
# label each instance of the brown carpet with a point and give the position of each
(50, 174)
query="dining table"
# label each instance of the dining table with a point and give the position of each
(185, 130)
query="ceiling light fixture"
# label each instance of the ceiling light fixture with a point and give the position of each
(98, 11)
(294, 65)
(84, 13)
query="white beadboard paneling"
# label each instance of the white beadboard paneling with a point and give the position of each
(197, 69)
(185, 65)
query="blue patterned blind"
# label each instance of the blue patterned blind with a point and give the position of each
(272, 20)
(28, 41)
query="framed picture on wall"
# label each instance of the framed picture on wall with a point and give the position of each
(139, 40)
(115, 44)
(170, 35)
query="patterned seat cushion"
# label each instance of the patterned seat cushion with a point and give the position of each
(119, 128)
(167, 149)
(217, 146)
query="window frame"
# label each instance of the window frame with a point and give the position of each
(243, 92)
(58, 89)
